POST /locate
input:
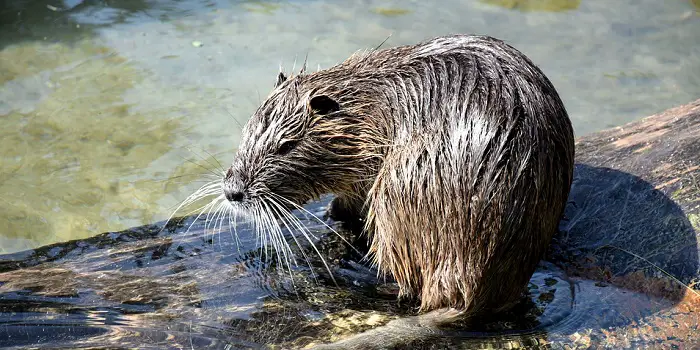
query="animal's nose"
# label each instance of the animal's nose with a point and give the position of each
(233, 195)
(233, 187)
(234, 190)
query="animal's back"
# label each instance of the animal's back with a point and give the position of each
(471, 190)
(441, 81)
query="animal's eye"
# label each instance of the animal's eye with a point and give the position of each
(286, 147)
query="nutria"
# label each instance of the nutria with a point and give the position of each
(456, 154)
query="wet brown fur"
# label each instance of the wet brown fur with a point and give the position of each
(457, 151)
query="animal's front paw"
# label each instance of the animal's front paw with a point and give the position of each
(337, 210)
(341, 210)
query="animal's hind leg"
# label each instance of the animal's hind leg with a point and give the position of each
(399, 224)
(419, 225)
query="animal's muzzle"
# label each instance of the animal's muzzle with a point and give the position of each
(234, 190)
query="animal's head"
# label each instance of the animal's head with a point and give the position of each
(302, 142)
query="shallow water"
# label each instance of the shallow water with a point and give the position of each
(112, 111)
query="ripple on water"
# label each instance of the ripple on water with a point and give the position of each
(147, 288)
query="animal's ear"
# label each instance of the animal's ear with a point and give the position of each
(281, 78)
(323, 105)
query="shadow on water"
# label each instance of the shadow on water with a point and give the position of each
(59, 21)
(68, 21)
(607, 272)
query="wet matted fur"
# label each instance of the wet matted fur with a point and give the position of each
(457, 152)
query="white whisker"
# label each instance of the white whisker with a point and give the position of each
(285, 215)
(276, 231)
(201, 193)
(218, 216)
(259, 235)
(265, 222)
(232, 228)
(207, 220)
(319, 220)
(309, 239)
(199, 208)
(212, 203)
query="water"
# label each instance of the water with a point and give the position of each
(112, 111)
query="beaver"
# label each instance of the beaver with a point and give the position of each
(456, 154)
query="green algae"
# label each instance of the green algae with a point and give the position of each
(390, 11)
(29, 59)
(262, 7)
(74, 159)
(536, 5)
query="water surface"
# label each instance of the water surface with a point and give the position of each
(113, 111)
